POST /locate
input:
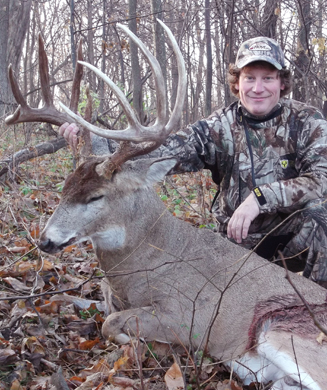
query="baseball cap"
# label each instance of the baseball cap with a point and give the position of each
(260, 49)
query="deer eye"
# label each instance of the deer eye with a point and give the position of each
(95, 198)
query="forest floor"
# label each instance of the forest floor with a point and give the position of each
(51, 307)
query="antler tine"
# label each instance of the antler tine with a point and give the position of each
(158, 78)
(48, 113)
(131, 117)
(15, 88)
(182, 81)
(11, 119)
(44, 74)
(135, 132)
(77, 78)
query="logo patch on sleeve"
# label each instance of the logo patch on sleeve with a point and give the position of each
(284, 163)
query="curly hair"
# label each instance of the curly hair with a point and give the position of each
(284, 74)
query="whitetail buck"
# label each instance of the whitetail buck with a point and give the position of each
(171, 282)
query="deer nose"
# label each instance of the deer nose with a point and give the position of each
(47, 246)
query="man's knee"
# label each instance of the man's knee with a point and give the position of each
(315, 206)
(316, 211)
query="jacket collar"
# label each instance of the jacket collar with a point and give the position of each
(254, 119)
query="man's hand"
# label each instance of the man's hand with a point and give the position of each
(69, 131)
(238, 226)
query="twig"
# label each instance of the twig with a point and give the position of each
(187, 352)
(297, 366)
(137, 352)
(50, 292)
(16, 261)
(36, 312)
(287, 276)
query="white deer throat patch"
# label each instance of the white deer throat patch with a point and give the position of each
(110, 239)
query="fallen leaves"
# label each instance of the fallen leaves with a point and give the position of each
(16, 284)
(7, 356)
(174, 378)
(228, 385)
(87, 345)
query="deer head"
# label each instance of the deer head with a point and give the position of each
(86, 190)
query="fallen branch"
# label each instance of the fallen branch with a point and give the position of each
(23, 155)
(287, 276)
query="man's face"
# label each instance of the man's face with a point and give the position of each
(259, 88)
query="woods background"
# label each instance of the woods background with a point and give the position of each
(209, 33)
(39, 335)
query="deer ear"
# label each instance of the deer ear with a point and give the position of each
(159, 169)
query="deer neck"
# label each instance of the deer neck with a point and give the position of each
(146, 222)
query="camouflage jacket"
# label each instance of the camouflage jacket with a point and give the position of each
(289, 153)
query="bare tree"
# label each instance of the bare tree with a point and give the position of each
(229, 22)
(302, 61)
(269, 21)
(209, 59)
(14, 17)
(159, 39)
(135, 65)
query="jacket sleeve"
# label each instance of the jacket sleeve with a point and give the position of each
(311, 164)
(193, 147)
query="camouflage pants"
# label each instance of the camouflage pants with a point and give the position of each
(302, 240)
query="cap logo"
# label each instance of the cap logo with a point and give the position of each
(260, 46)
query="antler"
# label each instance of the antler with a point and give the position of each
(48, 113)
(138, 139)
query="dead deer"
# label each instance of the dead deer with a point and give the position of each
(167, 280)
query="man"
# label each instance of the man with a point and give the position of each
(268, 155)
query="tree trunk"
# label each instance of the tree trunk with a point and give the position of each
(227, 14)
(198, 73)
(14, 16)
(302, 62)
(72, 35)
(209, 59)
(159, 41)
(136, 71)
(103, 60)
(269, 20)
(90, 45)
(52, 146)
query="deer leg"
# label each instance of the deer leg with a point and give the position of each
(137, 323)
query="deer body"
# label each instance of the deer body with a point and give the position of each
(182, 282)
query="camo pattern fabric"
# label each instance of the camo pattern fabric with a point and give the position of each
(260, 49)
(290, 167)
